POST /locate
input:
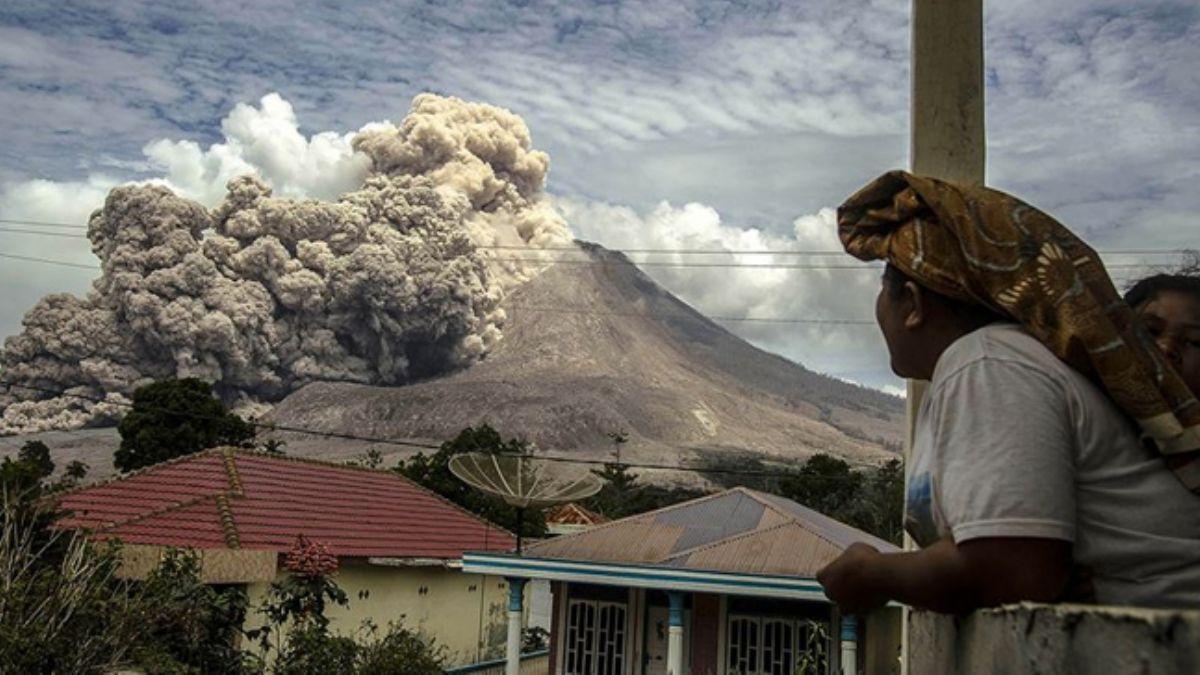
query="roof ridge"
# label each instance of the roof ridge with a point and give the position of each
(231, 470)
(228, 525)
(726, 540)
(154, 513)
(138, 472)
(761, 498)
(392, 473)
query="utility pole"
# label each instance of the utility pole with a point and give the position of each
(947, 126)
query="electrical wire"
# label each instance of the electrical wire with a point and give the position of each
(760, 473)
(46, 261)
(576, 249)
(748, 319)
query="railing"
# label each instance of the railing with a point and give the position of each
(1056, 639)
(532, 663)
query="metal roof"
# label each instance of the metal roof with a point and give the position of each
(738, 531)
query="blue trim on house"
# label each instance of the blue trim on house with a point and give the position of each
(516, 590)
(675, 613)
(849, 628)
(645, 576)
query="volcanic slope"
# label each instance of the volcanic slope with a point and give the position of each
(590, 349)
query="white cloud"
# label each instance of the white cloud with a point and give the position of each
(264, 140)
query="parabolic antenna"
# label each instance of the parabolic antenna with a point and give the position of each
(524, 482)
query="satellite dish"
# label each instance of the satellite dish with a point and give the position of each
(524, 482)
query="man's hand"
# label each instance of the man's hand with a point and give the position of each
(847, 580)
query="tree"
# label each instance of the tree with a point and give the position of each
(624, 495)
(173, 418)
(433, 472)
(826, 484)
(871, 500)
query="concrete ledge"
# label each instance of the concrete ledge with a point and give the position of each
(1055, 639)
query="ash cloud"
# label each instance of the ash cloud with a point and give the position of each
(262, 294)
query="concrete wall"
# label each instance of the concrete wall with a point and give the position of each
(879, 649)
(1056, 639)
(463, 612)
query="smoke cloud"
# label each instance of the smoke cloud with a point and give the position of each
(262, 294)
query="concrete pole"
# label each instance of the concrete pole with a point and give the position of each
(675, 634)
(512, 653)
(849, 645)
(947, 126)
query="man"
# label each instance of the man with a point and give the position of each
(1027, 479)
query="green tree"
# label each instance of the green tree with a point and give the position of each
(624, 494)
(433, 472)
(870, 499)
(826, 484)
(173, 418)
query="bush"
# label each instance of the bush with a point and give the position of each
(296, 639)
(62, 609)
(188, 626)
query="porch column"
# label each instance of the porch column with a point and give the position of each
(675, 634)
(512, 654)
(849, 655)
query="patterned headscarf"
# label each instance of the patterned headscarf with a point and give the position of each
(982, 246)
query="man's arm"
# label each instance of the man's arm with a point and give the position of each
(948, 577)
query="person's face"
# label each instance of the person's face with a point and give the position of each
(893, 313)
(1173, 319)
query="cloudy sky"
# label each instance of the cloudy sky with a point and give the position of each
(707, 124)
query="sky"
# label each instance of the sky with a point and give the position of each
(734, 125)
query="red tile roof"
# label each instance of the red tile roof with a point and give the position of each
(229, 498)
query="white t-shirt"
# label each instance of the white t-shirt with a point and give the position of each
(1012, 442)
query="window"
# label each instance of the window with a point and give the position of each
(777, 646)
(595, 641)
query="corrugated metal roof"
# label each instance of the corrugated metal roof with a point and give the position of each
(232, 498)
(738, 531)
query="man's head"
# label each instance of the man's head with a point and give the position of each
(1169, 307)
(919, 324)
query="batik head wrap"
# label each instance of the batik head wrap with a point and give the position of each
(979, 245)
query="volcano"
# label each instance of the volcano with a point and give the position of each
(598, 348)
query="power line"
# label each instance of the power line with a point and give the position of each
(749, 319)
(576, 249)
(42, 223)
(854, 267)
(65, 235)
(46, 261)
(192, 415)
(422, 446)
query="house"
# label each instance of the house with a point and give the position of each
(721, 585)
(570, 518)
(398, 545)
